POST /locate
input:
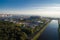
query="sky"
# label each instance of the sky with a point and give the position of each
(47, 8)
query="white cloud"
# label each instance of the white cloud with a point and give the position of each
(47, 11)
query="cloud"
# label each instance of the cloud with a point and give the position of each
(47, 11)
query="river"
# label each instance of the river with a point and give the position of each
(51, 32)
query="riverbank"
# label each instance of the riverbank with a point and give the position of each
(40, 32)
(51, 32)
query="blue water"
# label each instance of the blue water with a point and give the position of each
(51, 32)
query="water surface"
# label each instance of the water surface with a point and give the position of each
(51, 32)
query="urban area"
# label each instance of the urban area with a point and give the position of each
(21, 27)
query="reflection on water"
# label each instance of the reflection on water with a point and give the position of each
(51, 32)
(59, 31)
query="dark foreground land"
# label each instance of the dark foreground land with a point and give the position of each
(21, 28)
